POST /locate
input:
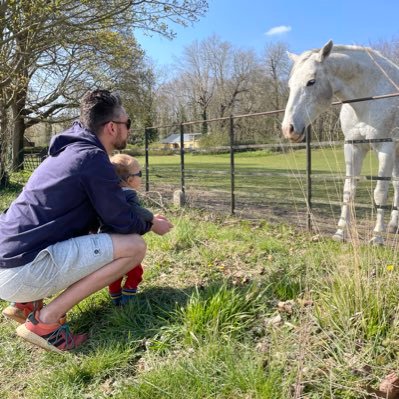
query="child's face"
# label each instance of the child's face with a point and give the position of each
(134, 179)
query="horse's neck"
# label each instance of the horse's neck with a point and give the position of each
(358, 74)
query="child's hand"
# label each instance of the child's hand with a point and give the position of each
(161, 225)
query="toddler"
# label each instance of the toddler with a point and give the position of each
(129, 171)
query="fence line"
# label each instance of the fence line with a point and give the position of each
(232, 147)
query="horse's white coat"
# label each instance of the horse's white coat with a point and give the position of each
(349, 72)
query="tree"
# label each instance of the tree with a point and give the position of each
(42, 40)
(276, 67)
(197, 80)
(213, 77)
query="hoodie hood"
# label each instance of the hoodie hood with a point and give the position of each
(66, 196)
(76, 133)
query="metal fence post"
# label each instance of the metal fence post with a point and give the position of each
(232, 166)
(182, 182)
(147, 170)
(309, 176)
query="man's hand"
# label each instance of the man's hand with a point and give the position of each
(161, 225)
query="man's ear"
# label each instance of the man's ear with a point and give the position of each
(110, 129)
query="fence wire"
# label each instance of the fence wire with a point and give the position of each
(299, 194)
(298, 191)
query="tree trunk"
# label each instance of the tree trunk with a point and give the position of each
(204, 128)
(3, 147)
(18, 131)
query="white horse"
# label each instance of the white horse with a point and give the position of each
(349, 72)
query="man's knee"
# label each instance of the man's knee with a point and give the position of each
(140, 245)
(128, 245)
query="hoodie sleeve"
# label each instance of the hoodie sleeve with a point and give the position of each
(133, 199)
(102, 187)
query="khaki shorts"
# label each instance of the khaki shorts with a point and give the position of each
(56, 268)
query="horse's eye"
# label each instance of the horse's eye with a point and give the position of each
(311, 82)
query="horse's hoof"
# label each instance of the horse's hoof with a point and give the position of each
(378, 240)
(339, 236)
(393, 228)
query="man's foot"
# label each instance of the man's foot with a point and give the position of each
(55, 337)
(128, 294)
(19, 311)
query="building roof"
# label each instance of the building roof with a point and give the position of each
(175, 138)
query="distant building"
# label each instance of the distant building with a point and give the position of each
(191, 140)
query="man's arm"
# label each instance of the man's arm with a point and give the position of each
(102, 187)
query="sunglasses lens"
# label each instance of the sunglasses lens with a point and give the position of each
(128, 124)
(140, 174)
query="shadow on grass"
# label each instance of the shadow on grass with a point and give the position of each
(132, 325)
(137, 324)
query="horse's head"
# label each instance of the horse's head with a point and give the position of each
(310, 92)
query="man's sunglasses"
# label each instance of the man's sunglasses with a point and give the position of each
(128, 123)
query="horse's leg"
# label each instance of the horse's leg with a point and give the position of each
(385, 153)
(354, 155)
(394, 221)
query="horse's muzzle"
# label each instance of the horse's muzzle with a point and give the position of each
(290, 134)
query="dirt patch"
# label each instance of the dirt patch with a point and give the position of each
(322, 220)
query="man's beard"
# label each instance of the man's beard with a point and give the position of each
(120, 144)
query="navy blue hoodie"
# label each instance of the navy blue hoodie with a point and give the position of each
(66, 195)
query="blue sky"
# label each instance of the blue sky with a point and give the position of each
(302, 24)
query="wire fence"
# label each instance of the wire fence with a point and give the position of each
(308, 197)
(300, 183)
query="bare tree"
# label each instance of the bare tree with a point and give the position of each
(276, 67)
(197, 79)
(36, 35)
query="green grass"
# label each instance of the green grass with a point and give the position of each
(262, 177)
(323, 161)
(228, 308)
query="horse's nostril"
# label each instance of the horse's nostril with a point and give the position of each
(291, 128)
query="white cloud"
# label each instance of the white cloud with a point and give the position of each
(278, 30)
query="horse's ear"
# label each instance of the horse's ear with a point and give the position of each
(325, 51)
(293, 57)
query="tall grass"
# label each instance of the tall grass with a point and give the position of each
(216, 314)
(228, 308)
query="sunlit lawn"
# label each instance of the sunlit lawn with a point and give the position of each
(264, 176)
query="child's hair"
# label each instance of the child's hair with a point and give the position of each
(123, 165)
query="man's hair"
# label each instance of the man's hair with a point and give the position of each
(98, 107)
(123, 164)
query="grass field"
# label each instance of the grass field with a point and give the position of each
(267, 180)
(249, 166)
(269, 184)
(325, 160)
(228, 309)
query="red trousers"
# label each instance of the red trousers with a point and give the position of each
(133, 279)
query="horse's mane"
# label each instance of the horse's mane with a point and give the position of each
(338, 48)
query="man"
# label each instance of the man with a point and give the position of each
(45, 245)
